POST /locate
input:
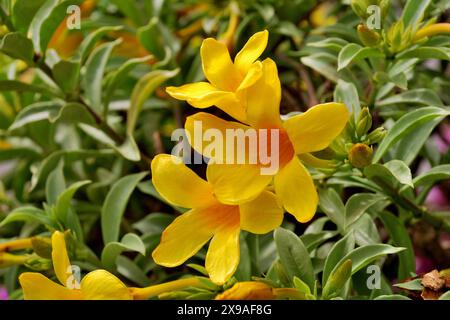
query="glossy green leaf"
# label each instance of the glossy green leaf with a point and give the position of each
(27, 214)
(89, 42)
(400, 237)
(339, 250)
(17, 46)
(425, 97)
(331, 204)
(55, 184)
(23, 12)
(294, 256)
(66, 74)
(358, 204)
(407, 124)
(433, 175)
(115, 204)
(63, 202)
(129, 242)
(93, 77)
(362, 256)
(354, 52)
(414, 11)
(346, 93)
(414, 285)
(141, 92)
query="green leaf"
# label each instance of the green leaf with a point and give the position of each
(130, 270)
(89, 42)
(63, 202)
(424, 53)
(27, 214)
(362, 256)
(93, 76)
(354, 52)
(18, 86)
(317, 63)
(129, 150)
(414, 285)
(23, 12)
(66, 74)
(156, 37)
(392, 297)
(365, 231)
(46, 22)
(346, 93)
(407, 124)
(358, 204)
(118, 76)
(400, 171)
(339, 250)
(301, 286)
(115, 204)
(129, 242)
(313, 240)
(294, 256)
(392, 174)
(55, 184)
(425, 97)
(337, 280)
(131, 10)
(400, 237)
(143, 89)
(414, 12)
(410, 145)
(36, 112)
(17, 46)
(331, 204)
(445, 296)
(433, 175)
(69, 156)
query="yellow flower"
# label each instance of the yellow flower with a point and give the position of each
(255, 290)
(248, 290)
(302, 134)
(208, 219)
(320, 17)
(228, 80)
(96, 285)
(432, 30)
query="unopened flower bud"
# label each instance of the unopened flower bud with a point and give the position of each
(368, 37)
(337, 280)
(8, 260)
(376, 136)
(360, 155)
(42, 246)
(38, 264)
(364, 122)
(360, 8)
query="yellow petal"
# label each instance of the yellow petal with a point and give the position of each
(263, 98)
(261, 215)
(102, 285)
(223, 254)
(295, 188)
(199, 124)
(60, 258)
(236, 183)
(38, 287)
(248, 290)
(185, 236)
(315, 129)
(315, 162)
(201, 94)
(178, 184)
(252, 76)
(254, 47)
(217, 65)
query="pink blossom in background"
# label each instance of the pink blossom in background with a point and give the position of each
(3, 294)
(423, 264)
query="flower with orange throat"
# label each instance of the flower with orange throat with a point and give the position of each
(300, 135)
(208, 219)
(228, 80)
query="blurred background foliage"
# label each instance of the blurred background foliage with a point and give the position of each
(83, 111)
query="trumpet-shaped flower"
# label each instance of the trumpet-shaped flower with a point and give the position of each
(300, 135)
(228, 80)
(256, 290)
(96, 285)
(208, 219)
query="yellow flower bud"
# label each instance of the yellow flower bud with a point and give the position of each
(368, 37)
(360, 155)
(376, 135)
(249, 290)
(364, 122)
